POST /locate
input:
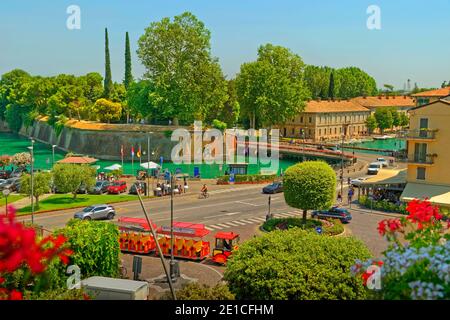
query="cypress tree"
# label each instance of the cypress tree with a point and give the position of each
(331, 87)
(108, 84)
(128, 75)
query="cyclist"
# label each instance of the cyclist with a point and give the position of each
(204, 190)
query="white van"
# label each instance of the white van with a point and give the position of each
(374, 168)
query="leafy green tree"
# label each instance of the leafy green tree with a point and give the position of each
(188, 81)
(107, 111)
(108, 86)
(68, 178)
(309, 185)
(296, 265)
(271, 90)
(354, 82)
(389, 87)
(128, 80)
(317, 79)
(384, 118)
(139, 101)
(231, 110)
(395, 118)
(404, 120)
(41, 185)
(10, 88)
(219, 124)
(371, 123)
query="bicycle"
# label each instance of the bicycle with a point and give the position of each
(203, 195)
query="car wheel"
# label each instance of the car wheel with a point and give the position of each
(87, 218)
(110, 216)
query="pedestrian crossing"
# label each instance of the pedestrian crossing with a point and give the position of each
(249, 221)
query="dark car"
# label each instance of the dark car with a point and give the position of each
(334, 213)
(100, 187)
(96, 212)
(138, 186)
(5, 174)
(275, 187)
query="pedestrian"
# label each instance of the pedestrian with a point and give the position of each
(350, 195)
(349, 181)
(339, 197)
(186, 187)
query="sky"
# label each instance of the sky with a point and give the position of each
(412, 43)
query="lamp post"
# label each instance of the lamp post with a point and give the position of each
(174, 270)
(53, 155)
(344, 130)
(32, 180)
(6, 193)
(148, 163)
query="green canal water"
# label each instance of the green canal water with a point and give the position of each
(12, 143)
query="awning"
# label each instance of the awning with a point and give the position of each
(439, 195)
(150, 165)
(114, 167)
(386, 176)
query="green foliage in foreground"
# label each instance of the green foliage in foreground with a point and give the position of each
(296, 265)
(311, 224)
(196, 291)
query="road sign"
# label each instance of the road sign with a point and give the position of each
(319, 230)
(231, 178)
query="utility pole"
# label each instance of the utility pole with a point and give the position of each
(173, 265)
(32, 181)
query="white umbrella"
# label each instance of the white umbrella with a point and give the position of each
(150, 165)
(114, 167)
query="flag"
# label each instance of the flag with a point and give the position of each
(138, 154)
(132, 151)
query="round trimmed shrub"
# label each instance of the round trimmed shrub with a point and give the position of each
(296, 265)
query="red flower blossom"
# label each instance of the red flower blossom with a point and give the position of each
(15, 295)
(421, 212)
(382, 227)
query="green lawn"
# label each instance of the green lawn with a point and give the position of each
(11, 199)
(65, 201)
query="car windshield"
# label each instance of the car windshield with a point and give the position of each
(88, 209)
(373, 166)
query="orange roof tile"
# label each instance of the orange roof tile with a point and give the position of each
(443, 92)
(322, 106)
(385, 101)
(78, 160)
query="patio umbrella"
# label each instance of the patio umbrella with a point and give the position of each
(150, 165)
(114, 167)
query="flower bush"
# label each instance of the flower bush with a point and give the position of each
(416, 264)
(383, 205)
(24, 257)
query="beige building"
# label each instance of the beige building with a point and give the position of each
(399, 103)
(324, 120)
(428, 141)
(427, 97)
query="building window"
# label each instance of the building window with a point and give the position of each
(310, 119)
(320, 132)
(420, 173)
(293, 131)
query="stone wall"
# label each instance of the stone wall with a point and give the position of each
(103, 144)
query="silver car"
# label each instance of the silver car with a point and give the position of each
(96, 212)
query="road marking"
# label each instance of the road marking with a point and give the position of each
(248, 222)
(249, 204)
(215, 227)
(284, 214)
(223, 225)
(254, 220)
(261, 219)
(231, 223)
(240, 223)
(232, 213)
(208, 228)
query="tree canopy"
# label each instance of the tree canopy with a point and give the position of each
(68, 178)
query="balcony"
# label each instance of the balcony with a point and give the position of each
(422, 159)
(427, 134)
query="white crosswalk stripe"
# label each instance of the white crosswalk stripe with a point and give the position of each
(240, 223)
(261, 219)
(283, 215)
(253, 219)
(247, 222)
(231, 223)
(215, 227)
(223, 225)
(208, 228)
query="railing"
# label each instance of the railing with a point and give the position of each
(428, 159)
(419, 134)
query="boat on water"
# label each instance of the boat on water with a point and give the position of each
(385, 137)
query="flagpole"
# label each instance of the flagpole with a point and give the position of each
(121, 154)
(132, 160)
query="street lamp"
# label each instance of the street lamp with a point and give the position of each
(344, 130)
(174, 267)
(32, 180)
(148, 163)
(6, 193)
(53, 155)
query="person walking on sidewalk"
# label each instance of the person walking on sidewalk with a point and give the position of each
(339, 197)
(350, 195)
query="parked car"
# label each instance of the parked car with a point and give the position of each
(100, 187)
(5, 174)
(117, 187)
(82, 189)
(138, 186)
(96, 212)
(357, 182)
(383, 161)
(374, 168)
(12, 184)
(275, 187)
(334, 213)
(18, 172)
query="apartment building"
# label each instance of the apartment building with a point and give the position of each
(324, 120)
(399, 103)
(428, 141)
(426, 97)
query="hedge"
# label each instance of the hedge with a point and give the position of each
(247, 178)
(335, 228)
(296, 265)
(382, 205)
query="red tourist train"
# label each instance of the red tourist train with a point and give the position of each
(189, 240)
